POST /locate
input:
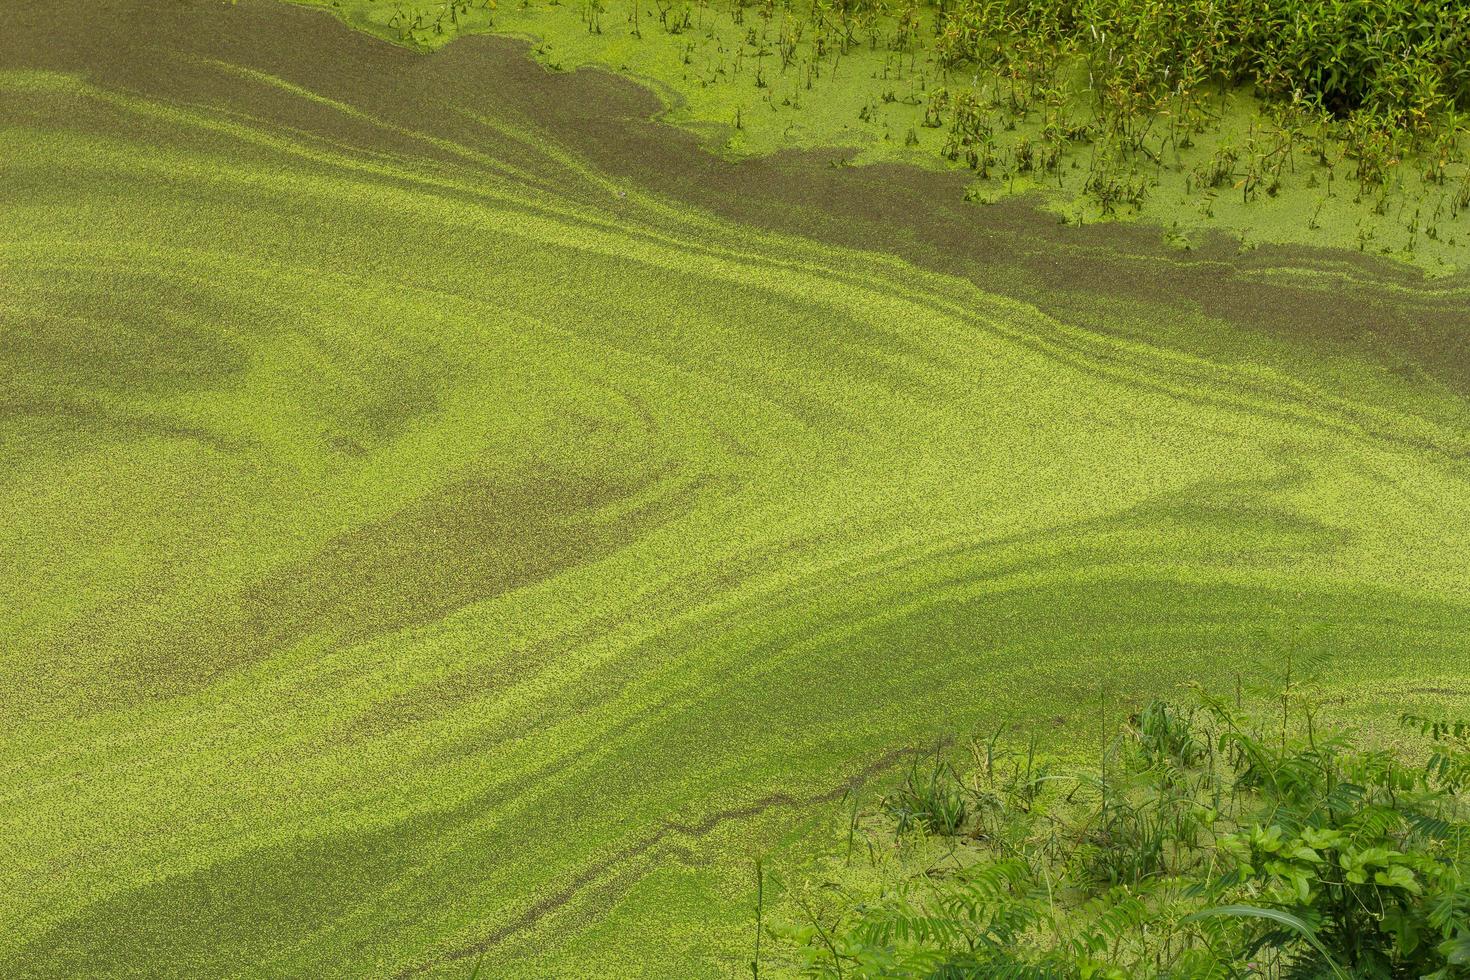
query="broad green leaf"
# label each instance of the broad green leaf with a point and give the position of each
(1398, 876)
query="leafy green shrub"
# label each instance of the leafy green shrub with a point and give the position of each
(1400, 60)
(1210, 841)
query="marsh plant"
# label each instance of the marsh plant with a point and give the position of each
(1375, 81)
(1209, 839)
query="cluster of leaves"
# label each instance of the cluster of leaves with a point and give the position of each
(1136, 81)
(1210, 841)
(1379, 81)
(1401, 61)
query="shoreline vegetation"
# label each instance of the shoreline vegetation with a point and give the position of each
(1340, 125)
(1211, 836)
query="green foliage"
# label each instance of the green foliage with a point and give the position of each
(1402, 60)
(1211, 841)
(1384, 79)
(934, 801)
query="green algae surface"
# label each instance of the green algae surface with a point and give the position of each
(455, 518)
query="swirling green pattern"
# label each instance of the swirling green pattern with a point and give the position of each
(449, 514)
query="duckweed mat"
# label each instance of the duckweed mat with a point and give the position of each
(454, 517)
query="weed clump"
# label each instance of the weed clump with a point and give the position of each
(1209, 840)
(1398, 62)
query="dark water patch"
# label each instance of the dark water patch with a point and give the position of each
(28, 423)
(84, 351)
(463, 543)
(117, 331)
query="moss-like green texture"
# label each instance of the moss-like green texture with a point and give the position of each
(447, 513)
